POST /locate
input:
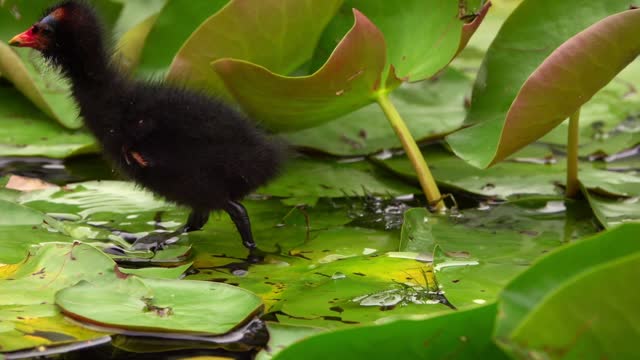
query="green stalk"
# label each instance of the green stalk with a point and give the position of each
(573, 186)
(427, 182)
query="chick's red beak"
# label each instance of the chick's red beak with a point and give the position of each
(26, 39)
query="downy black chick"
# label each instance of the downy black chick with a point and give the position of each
(181, 144)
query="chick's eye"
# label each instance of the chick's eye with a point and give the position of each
(35, 29)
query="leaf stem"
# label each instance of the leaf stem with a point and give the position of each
(573, 186)
(412, 150)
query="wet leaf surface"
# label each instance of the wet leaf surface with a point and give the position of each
(133, 303)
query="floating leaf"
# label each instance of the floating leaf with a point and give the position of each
(474, 273)
(25, 131)
(27, 291)
(614, 211)
(14, 214)
(313, 178)
(526, 88)
(133, 303)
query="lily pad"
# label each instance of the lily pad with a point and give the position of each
(523, 176)
(472, 272)
(27, 291)
(613, 211)
(25, 131)
(513, 83)
(194, 307)
(306, 177)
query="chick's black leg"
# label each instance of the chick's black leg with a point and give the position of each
(197, 219)
(240, 218)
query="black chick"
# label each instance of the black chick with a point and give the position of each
(180, 144)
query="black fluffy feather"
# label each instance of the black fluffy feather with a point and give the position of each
(181, 144)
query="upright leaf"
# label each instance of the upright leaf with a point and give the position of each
(549, 58)
(277, 34)
(375, 54)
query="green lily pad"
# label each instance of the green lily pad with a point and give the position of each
(589, 267)
(447, 336)
(159, 272)
(194, 307)
(523, 176)
(431, 110)
(15, 214)
(505, 180)
(94, 197)
(472, 271)
(265, 32)
(614, 211)
(27, 291)
(26, 131)
(513, 84)
(306, 177)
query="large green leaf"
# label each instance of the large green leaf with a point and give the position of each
(444, 337)
(277, 34)
(382, 37)
(26, 69)
(167, 31)
(568, 324)
(535, 75)
(551, 273)
(133, 303)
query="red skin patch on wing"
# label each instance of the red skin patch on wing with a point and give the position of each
(139, 159)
